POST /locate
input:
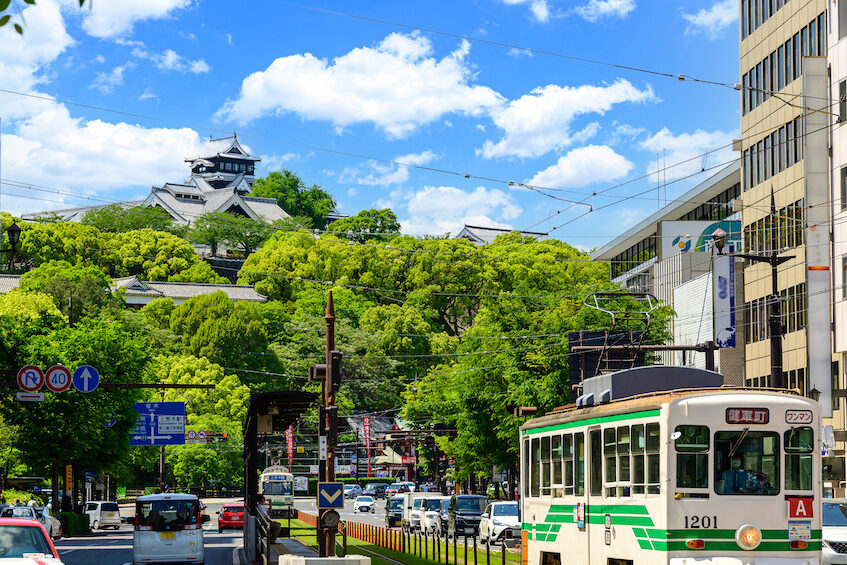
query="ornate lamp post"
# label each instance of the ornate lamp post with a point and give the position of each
(14, 233)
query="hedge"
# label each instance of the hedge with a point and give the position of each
(74, 524)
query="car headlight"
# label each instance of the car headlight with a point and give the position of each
(748, 537)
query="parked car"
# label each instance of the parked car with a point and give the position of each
(26, 542)
(394, 511)
(444, 515)
(464, 514)
(500, 520)
(52, 525)
(429, 515)
(231, 516)
(103, 514)
(352, 491)
(168, 528)
(834, 531)
(364, 504)
(376, 490)
(21, 512)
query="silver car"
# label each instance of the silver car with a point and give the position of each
(41, 515)
(834, 525)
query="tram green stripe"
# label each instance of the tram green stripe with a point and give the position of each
(618, 509)
(644, 544)
(592, 421)
(618, 520)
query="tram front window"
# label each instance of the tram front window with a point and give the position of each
(746, 462)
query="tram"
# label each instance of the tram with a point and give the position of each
(644, 469)
(276, 484)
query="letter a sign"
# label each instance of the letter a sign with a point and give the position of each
(800, 508)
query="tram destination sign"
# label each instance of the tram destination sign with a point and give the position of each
(747, 416)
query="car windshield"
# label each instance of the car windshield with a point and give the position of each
(279, 488)
(109, 507)
(18, 512)
(433, 504)
(350, 487)
(395, 486)
(365, 499)
(167, 514)
(417, 503)
(395, 504)
(474, 504)
(17, 542)
(506, 509)
(834, 514)
(233, 509)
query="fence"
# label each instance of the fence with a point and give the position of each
(432, 546)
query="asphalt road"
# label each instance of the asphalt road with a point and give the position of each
(114, 547)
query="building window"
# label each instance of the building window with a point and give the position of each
(842, 20)
(844, 276)
(842, 100)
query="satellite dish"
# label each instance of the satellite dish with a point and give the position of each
(675, 436)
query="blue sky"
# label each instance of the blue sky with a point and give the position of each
(305, 88)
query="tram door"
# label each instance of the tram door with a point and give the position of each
(594, 530)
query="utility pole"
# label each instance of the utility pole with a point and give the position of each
(329, 423)
(162, 454)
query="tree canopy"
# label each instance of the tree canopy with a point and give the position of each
(293, 196)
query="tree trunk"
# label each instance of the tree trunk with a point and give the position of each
(55, 486)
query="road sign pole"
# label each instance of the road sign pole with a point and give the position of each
(331, 424)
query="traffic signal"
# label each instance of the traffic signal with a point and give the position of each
(337, 356)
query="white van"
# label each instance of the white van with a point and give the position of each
(168, 528)
(412, 504)
(103, 514)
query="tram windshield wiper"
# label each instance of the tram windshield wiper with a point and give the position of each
(738, 443)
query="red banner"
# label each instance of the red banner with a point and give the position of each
(289, 437)
(366, 427)
(408, 460)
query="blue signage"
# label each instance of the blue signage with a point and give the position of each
(330, 495)
(159, 423)
(86, 378)
(723, 287)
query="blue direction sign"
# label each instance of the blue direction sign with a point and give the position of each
(330, 495)
(159, 423)
(86, 378)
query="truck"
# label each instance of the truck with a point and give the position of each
(413, 503)
(276, 484)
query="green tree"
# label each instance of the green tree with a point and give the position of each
(158, 312)
(153, 255)
(228, 399)
(246, 234)
(210, 229)
(65, 241)
(293, 196)
(28, 306)
(76, 290)
(368, 225)
(116, 218)
(200, 272)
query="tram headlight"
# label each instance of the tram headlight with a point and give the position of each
(748, 537)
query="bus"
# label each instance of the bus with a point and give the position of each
(276, 484)
(644, 469)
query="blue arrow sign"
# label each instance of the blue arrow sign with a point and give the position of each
(159, 423)
(86, 378)
(330, 495)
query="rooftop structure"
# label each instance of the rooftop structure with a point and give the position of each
(480, 235)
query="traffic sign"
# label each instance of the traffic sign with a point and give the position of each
(30, 378)
(110, 422)
(30, 396)
(192, 434)
(330, 495)
(57, 378)
(86, 378)
(201, 435)
(159, 423)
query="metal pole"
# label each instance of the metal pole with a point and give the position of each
(329, 549)
(775, 329)
(162, 454)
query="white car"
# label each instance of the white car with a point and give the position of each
(41, 515)
(430, 514)
(168, 528)
(103, 514)
(352, 491)
(834, 518)
(499, 521)
(364, 504)
(51, 524)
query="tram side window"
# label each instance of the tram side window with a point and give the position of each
(595, 447)
(556, 455)
(526, 467)
(609, 451)
(799, 445)
(567, 456)
(535, 472)
(623, 461)
(579, 458)
(636, 443)
(652, 446)
(746, 462)
(692, 458)
(545, 466)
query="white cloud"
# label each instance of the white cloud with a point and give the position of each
(106, 82)
(170, 60)
(540, 121)
(275, 162)
(713, 20)
(687, 147)
(148, 95)
(383, 174)
(444, 209)
(582, 167)
(598, 9)
(229, 39)
(115, 18)
(99, 59)
(398, 85)
(352, 192)
(539, 9)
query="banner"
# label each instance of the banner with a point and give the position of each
(289, 438)
(723, 300)
(366, 429)
(691, 237)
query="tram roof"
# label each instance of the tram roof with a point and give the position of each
(571, 412)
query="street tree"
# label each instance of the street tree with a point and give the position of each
(293, 196)
(77, 290)
(116, 218)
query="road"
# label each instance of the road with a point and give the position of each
(111, 547)
(375, 519)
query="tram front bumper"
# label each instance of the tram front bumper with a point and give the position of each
(745, 561)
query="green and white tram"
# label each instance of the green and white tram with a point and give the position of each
(645, 469)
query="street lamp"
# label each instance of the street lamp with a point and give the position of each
(719, 237)
(14, 233)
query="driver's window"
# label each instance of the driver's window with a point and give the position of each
(488, 512)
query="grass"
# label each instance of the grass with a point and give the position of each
(307, 534)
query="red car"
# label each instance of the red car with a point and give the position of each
(26, 540)
(231, 516)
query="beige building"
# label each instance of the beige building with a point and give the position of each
(783, 50)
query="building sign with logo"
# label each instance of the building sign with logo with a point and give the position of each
(723, 291)
(692, 237)
(366, 430)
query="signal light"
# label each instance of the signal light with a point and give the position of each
(797, 544)
(695, 544)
